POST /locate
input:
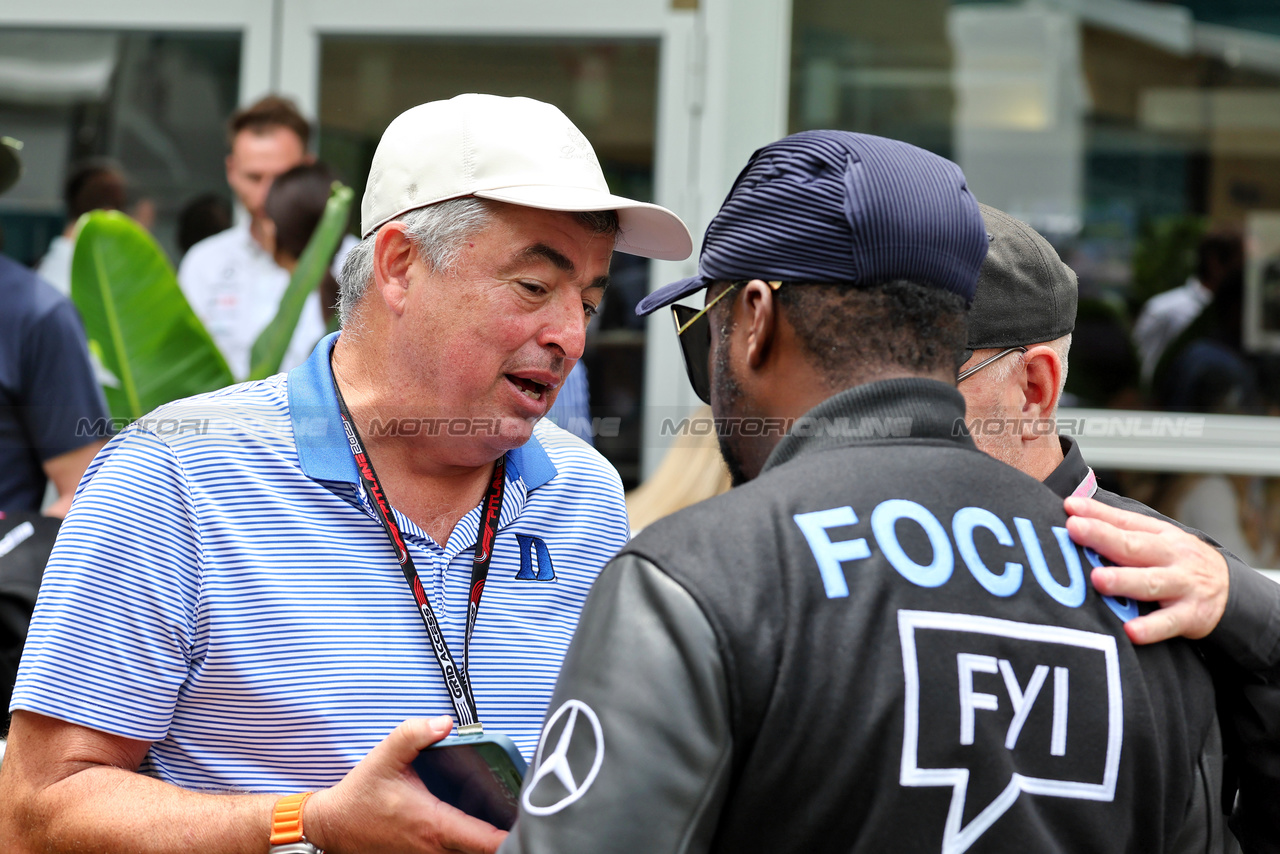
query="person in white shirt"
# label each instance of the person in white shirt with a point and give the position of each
(233, 284)
(93, 185)
(1167, 315)
(1164, 317)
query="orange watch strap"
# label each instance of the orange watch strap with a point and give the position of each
(286, 819)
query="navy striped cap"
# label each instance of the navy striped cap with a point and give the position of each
(836, 206)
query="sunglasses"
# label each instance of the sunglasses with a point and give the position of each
(693, 330)
(997, 357)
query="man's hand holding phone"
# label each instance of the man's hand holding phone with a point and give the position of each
(382, 805)
(479, 774)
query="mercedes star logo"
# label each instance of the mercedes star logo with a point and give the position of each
(565, 789)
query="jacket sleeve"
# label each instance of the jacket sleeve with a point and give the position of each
(635, 754)
(1249, 631)
(1255, 730)
(1248, 685)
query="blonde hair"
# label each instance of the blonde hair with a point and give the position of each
(691, 471)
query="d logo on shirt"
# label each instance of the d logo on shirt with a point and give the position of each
(529, 546)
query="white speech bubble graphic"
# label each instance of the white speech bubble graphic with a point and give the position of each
(955, 837)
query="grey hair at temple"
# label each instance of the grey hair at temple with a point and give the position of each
(438, 232)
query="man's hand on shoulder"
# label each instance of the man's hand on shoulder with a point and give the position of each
(1155, 562)
(382, 804)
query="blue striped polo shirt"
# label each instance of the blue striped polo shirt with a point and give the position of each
(222, 589)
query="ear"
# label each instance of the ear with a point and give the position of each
(393, 255)
(229, 163)
(761, 315)
(1041, 381)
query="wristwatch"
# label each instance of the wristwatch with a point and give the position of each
(286, 826)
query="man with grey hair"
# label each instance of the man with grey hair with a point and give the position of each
(270, 604)
(1019, 335)
(1012, 379)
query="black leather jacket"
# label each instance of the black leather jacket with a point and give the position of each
(883, 643)
(1244, 657)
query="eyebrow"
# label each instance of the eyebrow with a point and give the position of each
(543, 252)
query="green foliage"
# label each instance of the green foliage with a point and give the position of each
(269, 349)
(1164, 256)
(137, 320)
(143, 331)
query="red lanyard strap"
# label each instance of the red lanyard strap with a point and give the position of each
(456, 681)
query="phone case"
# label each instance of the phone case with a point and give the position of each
(479, 774)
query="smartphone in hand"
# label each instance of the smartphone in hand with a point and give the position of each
(479, 774)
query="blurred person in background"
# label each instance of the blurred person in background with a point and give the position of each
(294, 207)
(1230, 507)
(51, 407)
(203, 216)
(94, 185)
(1166, 316)
(230, 279)
(691, 470)
(25, 542)
(1205, 368)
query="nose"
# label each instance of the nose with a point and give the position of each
(256, 198)
(566, 327)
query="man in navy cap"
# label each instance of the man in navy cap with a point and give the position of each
(883, 639)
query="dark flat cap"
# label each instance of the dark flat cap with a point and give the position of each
(1026, 295)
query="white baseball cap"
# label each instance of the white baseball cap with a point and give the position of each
(514, 150)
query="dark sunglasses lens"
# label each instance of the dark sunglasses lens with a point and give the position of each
(695, 344)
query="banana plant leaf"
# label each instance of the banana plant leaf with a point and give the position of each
(137, 319)
(272, 343)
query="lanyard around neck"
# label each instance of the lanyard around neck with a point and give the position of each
(456, 681)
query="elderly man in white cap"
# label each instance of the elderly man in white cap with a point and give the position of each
(266, 605)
